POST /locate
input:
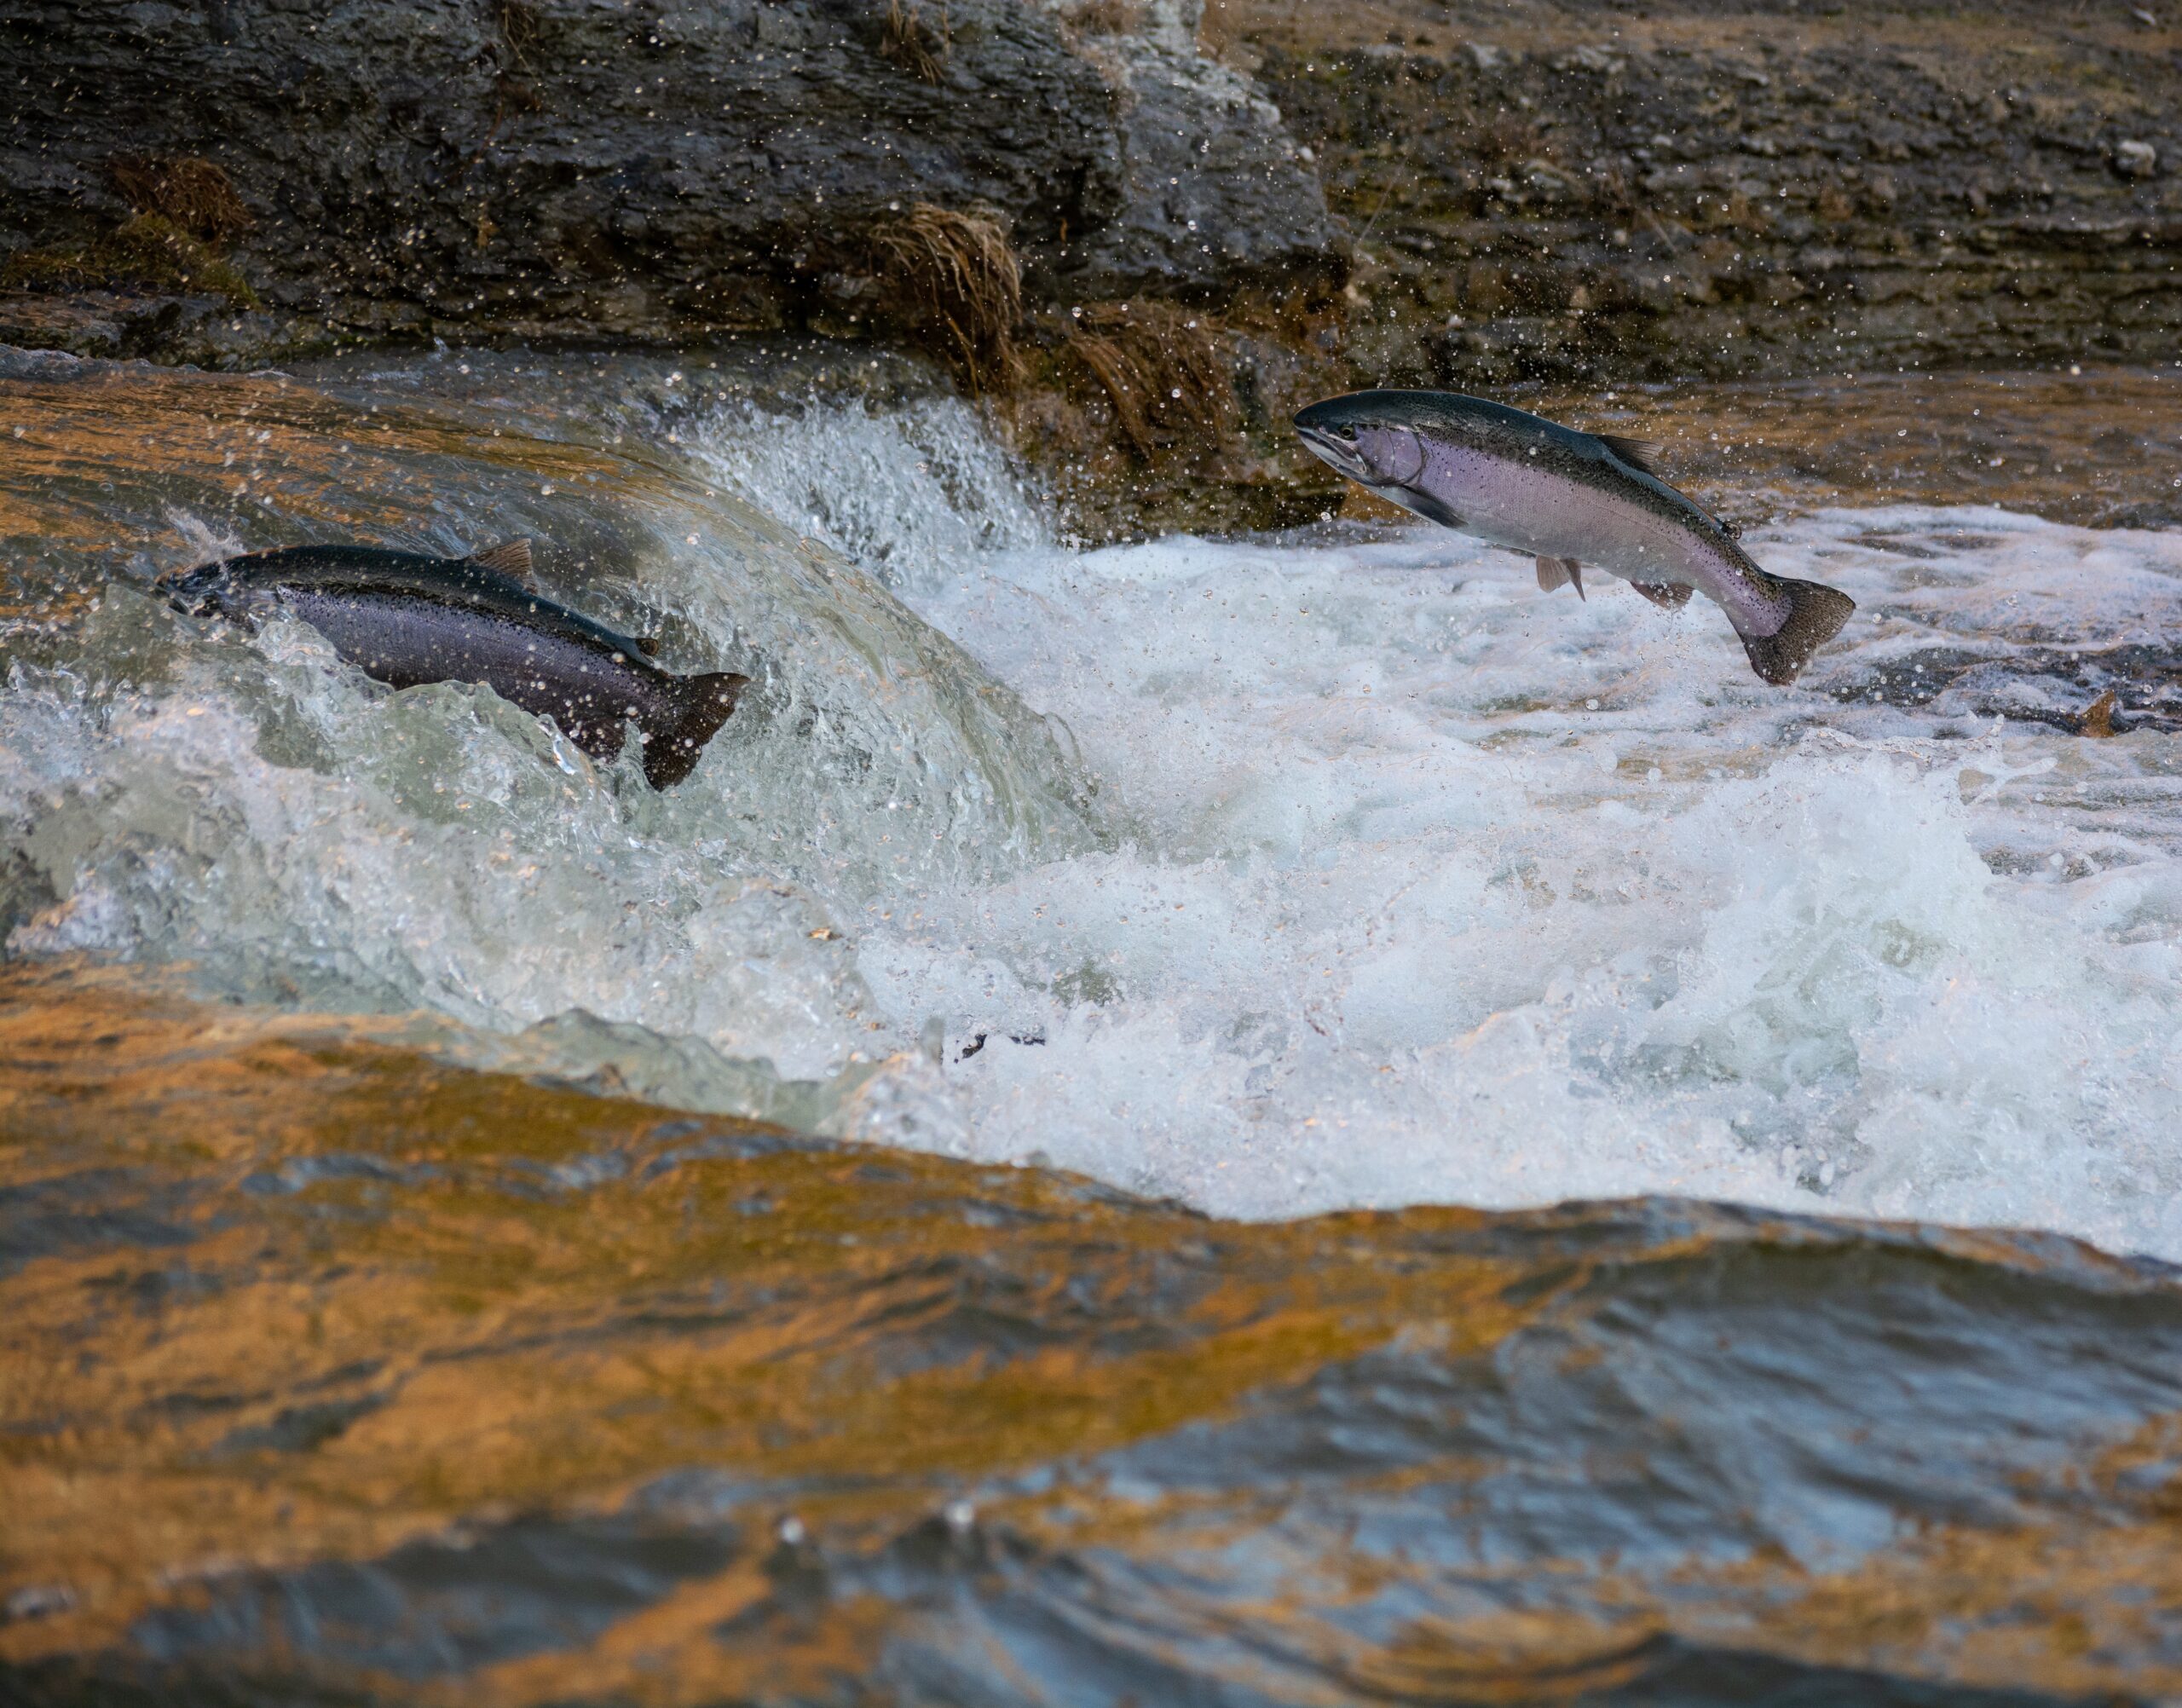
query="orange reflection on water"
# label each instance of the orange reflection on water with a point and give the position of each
(277, 1291)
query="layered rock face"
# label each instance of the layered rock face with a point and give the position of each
(650, 169)
(1600, 192)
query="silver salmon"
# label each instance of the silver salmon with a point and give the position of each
(405, 618)
(1568, 499)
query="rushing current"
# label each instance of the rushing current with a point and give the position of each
(392, 1309)
(1342, 867)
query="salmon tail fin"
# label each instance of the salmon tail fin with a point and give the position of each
(704, 703)
(1816, 615)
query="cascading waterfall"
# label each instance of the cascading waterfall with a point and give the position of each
(1278, 875)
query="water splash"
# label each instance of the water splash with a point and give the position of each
(1404, 882)
(911, 495)
(177, 791)
(1448, 891)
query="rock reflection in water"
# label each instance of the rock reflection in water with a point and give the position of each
(334, 1373)
(2095, 447)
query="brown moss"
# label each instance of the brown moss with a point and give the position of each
(1162, 371)
(519, 28)
(953, 280)
(1505, 138)
(918, 48)
(151, 251)
(194, 195)
(1105, 17)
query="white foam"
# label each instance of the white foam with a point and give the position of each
(1446, 889)
(905, 492)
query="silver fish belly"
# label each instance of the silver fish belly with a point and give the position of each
(1527, 508)
(1568, 498)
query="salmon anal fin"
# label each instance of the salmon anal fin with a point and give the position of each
(1670, 596)
(510, 558)
(1638, 454)
(1561, 572)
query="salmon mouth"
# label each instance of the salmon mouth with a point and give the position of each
(1338, 453)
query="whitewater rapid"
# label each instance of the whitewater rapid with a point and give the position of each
(1436, 888)
(1276, 875)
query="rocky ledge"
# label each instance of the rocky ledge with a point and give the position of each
(1145, 229)
(226, 180)
(1587, 191)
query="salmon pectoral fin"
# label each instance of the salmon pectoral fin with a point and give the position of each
(1816, 615)
(697, 710)
(1670, 596)
(1432, 509)
(1560, 571)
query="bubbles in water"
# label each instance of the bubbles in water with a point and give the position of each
(1410, 920)
(174, 790)
(1405, 881)
(911, 495)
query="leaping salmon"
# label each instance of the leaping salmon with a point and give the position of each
(405, 618)
(1568, 498)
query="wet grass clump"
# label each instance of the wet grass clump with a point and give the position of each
(957, 285)
(192, 194)
(149, 250)
(1162, 371)
(918, 48)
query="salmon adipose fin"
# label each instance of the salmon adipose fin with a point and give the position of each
(510, 558)
(1561, 572)
(704, 703)
(1668, 596)
(1816, 615)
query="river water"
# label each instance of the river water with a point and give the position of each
(1268, 877)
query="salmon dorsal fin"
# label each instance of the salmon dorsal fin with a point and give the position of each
(1641, 454)
(510, 558)
(1560, 571)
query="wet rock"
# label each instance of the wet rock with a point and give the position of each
(2008, 203)
(204, 332)
(557, 167)
(2088, 691)
(648, 1449)
(85, 325)
(2136, 159)
(1214, 196)
(37, 1601)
